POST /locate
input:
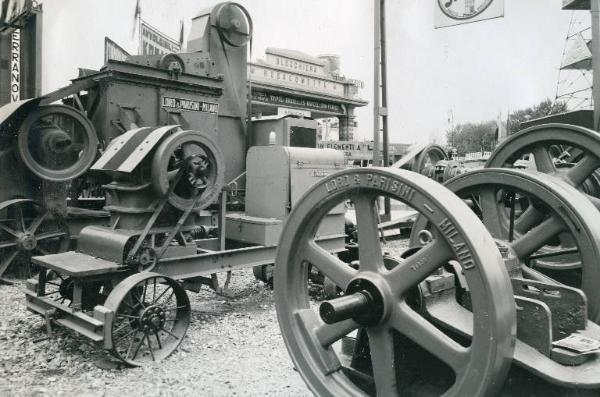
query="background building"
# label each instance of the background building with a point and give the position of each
(291, 82)
(20, 50)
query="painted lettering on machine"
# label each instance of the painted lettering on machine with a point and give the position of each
(381, 182)
(189, 105)
(463, 253)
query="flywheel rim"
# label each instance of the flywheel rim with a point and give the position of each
(300, 328)
(163, 160)
(85, 158)
(576, 213)
(541, 141)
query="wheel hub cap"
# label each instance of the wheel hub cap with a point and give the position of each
(152, 319)
(27, 242)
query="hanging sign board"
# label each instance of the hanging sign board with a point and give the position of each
(457, 12)
(114, 51)
(154, 42)
(15, 66)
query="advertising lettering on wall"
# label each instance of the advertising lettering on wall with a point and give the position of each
(154, 42)
(297, 102)
(189, 105)
(15, 66)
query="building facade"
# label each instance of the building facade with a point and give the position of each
(291, 82)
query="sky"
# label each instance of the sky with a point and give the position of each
(476, 71)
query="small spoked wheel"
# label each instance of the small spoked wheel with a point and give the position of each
(26, 230)
(151, 317)
(376, 297)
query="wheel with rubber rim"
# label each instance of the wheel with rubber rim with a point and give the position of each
(479, 368)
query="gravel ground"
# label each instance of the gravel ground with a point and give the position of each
(233, 347)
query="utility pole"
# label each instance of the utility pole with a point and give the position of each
(376, 82)
(380, 113)
(595, 9)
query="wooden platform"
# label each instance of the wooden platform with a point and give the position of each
(76, 264)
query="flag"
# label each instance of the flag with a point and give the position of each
(181, 34)
(136, 15)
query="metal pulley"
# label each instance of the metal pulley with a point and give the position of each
(233, 23)
(377, 297)
(57, 143)
(205, 169)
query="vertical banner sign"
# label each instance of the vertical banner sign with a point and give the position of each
(114, 51)
(15, 66)
(457, 12)
(154, 42)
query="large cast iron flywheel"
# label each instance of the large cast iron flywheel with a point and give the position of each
(375, 297)
(570, 152)
(566, 233)
(57, 143)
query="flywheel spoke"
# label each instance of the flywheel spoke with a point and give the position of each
(488, 202)
(50, 235)
(20, 219)
(37, 222)
(7, 261)
(538, 236)
(543, 160)
(9, 230)
(583, 169)
(7, 244)
(326, 334)
(338, 271)
(419, 265)
(528, 219)
(370, 255)
(381, 345)
(408, 322)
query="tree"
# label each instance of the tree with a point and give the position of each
(473, 137)
(481, 136)
(542, 109)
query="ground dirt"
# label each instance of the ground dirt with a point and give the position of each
(233, 347)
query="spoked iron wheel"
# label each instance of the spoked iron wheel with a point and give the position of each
(151, 317)
(375, 297)
(26, 229)
(565, 232)
(569, 152)
(60, 289)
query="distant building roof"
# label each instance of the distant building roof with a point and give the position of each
(295, 55)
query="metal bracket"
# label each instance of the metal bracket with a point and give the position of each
(567, 305)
